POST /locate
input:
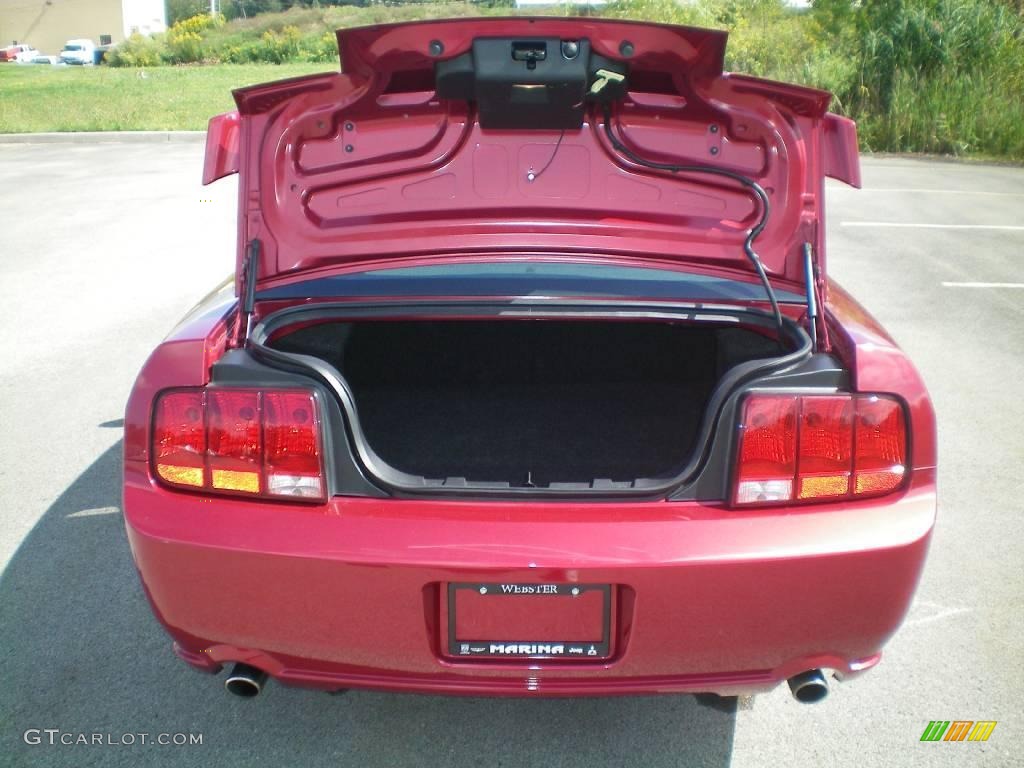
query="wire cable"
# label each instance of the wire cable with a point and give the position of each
(753, 186)
(536, 175)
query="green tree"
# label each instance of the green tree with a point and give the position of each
(832, 17)
(177, 10)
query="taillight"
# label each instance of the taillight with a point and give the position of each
(880, 445)
(826, 447)
(291, 446)
(768, 450)
(800, 448)
(254, 442)
(233, 440)
(179, 438)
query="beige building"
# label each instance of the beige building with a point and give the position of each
(47, 24)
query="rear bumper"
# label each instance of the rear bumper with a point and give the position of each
(351, 594)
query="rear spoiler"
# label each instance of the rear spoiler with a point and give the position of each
(839, 150)
(221, 147)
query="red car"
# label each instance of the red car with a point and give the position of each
(530, 381)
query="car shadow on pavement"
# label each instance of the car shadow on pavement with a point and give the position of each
(82, 653)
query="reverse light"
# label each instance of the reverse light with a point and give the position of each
(799, 448)
(291, 445)
(254, 442)
(768, 450)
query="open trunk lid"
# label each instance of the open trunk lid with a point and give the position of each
(488, 137)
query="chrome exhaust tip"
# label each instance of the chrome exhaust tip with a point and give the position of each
(809, 687)
(245, 681)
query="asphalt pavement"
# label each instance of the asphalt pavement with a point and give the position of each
(104, 246)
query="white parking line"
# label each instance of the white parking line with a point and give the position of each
(983, 285)
(914, 225)
(96, 511)
(931, 612)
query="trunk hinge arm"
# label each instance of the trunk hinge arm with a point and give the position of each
(247, 293)
(815, 301)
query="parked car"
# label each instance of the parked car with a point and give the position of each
(79, 51)
(43, 59)
(531, 380)
(18, 53)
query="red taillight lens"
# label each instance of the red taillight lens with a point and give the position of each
(233, 444)
(826, 445)
(179, 438)
(768, 450)
(881, 457)
(241, 441)
(819, 447)
(292, 445)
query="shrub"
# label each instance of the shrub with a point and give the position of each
(279, 47)
(185, 44)
(937, 76)
(138, 51)
(322, 48)
(665, 11)
(243, 53)
(184, 47)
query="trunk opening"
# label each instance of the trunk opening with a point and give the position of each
(530, 403)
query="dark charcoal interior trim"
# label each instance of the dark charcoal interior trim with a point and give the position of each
(405, 483)
(530, 403)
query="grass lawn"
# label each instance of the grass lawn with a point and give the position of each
(43, 98)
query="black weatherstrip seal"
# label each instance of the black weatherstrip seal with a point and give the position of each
(402, 484)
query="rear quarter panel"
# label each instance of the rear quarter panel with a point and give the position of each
(877, 364)
(182, 359)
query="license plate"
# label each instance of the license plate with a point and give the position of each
(534, 621)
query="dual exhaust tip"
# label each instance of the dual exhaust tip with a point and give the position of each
(247, 682)
(809, 687)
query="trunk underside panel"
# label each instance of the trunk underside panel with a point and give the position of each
(440, 138)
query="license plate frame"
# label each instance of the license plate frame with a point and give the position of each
(511, 648)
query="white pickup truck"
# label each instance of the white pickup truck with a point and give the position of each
(78, 52)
